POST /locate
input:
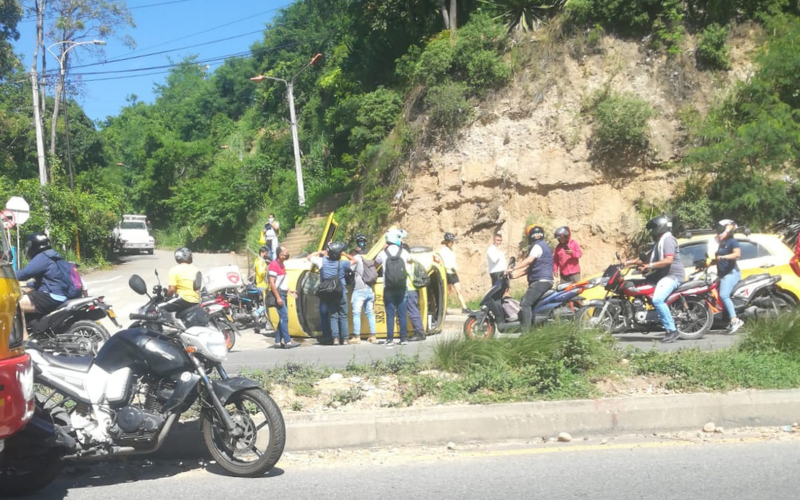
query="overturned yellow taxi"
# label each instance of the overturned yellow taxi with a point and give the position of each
(303, 277)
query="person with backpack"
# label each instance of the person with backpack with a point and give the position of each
(332, 296)
(394, 261)
(49, 284)
(417, 279)
(363, 297)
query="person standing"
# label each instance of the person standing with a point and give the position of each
(728, 271)
(279, 288)
(449, 261)
(664, 271)
(330, 265)
(394, 261)
(271, 232)
(538, 267)
(363, 298)
(261, 267)
(497, 259)
(412, 299)
(566, 256)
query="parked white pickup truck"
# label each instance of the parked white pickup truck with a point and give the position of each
(132, 236)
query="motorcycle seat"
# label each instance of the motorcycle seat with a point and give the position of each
(562, 286)
(74, 302)
(690, 284)
(76, 363)
(751, 279)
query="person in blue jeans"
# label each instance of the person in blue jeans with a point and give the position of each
(279, 288)
(394, 287)
(363, 298)
(664, 270)
(330, 264)
(728, 271)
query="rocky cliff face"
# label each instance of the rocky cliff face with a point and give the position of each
(528, 158)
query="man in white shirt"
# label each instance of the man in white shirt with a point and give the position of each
(497, 259)
(271, 232)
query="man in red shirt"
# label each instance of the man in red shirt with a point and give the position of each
(279, 288)
(565, 257)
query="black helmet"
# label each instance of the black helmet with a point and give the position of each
(35, 244)
(562, 231)
(722, 225)
(361, 240)
(534, 232)
(335, 249)
(183, 254)
(262, 250)
(448, 237)
(659, 225)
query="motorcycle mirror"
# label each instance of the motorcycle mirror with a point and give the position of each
(512, 262)
(137, 284)
(619, 257)
(198, 281)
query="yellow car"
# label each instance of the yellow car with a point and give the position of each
(304, 319)
(761, 253)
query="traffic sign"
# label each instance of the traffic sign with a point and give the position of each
(21, 209)
(7, 218)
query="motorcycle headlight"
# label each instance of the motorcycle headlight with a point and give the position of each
(215, 342)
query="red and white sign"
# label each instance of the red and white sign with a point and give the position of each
(8, 219)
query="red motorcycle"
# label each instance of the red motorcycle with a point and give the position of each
(628, 305)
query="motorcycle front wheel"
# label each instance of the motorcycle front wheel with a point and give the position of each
(84, 338)
(692, 321)
(476, 329)
(612, 320)
(260, 446)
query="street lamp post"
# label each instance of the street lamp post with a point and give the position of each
(301, 195)
(69, 44)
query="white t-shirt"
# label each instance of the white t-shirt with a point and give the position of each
(448, 259)
(536, 251)
(497, 260)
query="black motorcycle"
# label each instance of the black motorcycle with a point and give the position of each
(127, 399)
(74, 327)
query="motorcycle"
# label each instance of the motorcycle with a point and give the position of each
(628, 305)
(245, 302)
(74, 327)
(219, 312)
(754, 296)
(499, 314)
(126, 400)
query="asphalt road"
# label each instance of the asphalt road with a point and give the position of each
(649, 469)
(257, 352)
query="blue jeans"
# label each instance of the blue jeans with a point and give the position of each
(363, 298)
(664, 288)
(414, 315)
(325, 320)
(396, 305)
(726, 285)
(338, 317)
(282, 329)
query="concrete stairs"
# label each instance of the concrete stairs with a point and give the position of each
(310, 229)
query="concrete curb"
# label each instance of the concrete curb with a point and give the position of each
(518, 421)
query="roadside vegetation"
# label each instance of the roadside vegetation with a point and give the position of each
(555, 362)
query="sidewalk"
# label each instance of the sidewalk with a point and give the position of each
(518, 421)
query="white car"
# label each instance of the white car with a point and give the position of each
(131, 235)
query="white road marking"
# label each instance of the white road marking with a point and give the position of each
(87, 283)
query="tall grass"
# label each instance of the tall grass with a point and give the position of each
(772, 335)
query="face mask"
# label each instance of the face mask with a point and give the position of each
(271, 219)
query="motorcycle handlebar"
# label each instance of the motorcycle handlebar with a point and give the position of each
(152, 316)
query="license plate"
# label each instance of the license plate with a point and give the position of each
(111, 313)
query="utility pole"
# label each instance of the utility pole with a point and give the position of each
(37, 117)
(301, 193)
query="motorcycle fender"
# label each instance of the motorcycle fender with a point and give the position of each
(594, 302)
(226, 388)
(183, 389)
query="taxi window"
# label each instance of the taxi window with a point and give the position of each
(692, 252)
(749, 250)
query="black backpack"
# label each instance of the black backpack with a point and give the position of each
(394, 271)
(420, 278)
(330, 289)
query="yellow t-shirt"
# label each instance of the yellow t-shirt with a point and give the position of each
(182, 278)
(261, 267)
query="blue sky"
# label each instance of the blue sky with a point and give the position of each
(162, 26)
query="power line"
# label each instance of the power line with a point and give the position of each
(28, 19)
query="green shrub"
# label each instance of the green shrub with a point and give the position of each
(621, 121)
(435, 62)
(712, 51)
(376, 115)
(579, 12)
(448, 107)
(772, 335)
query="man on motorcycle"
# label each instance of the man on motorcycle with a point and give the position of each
(48, 290)
(181, 282)
(664, 270)
(538, 267)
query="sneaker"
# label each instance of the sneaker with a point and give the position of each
(389, 344)
(402, 342)
(279, 345)
(336, 342)
(670, 337)
(418, 337)
(736, 323)
(466, 310)
(345, 342)
(292, 345)
(373, 339)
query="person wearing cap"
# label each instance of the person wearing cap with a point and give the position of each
(449, 261)
(566, 256)
(334, 311)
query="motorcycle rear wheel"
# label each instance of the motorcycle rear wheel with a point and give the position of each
(91, 335)
(227, 329)
(478, 330)
(254, 453)
(694, 321)
(779, 303)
